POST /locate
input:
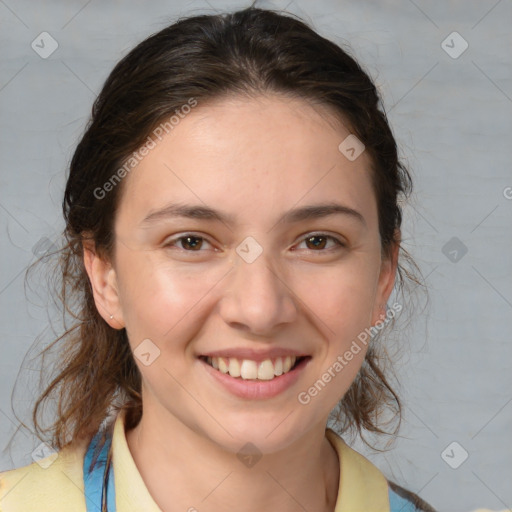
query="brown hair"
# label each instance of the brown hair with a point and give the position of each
(206, 57)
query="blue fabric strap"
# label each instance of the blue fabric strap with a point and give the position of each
(399, 504)
(93, 476)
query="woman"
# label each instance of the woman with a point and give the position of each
(233, 238)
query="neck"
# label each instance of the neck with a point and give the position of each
(184, 470)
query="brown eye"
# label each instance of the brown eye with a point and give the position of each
(189, 242)
(318, 242)
(192, 242)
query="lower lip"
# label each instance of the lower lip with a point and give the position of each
(257, 389)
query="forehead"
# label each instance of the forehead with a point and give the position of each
(254, 156)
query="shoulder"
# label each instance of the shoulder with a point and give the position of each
(406, 501)
(54, 482)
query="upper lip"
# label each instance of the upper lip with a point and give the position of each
(254, 354)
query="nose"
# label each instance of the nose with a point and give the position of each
(258, 299)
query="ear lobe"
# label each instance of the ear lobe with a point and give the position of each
(103, 279)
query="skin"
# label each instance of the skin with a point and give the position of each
(255, 159)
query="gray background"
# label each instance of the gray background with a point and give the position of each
(452, 119)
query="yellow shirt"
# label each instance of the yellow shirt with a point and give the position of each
(59, 486)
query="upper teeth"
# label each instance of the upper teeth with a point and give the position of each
(248, 369)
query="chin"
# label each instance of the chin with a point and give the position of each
(264, 435)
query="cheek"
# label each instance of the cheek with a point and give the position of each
(160, 300)
(341, 296)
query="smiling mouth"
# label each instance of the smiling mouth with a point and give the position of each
(246, 369)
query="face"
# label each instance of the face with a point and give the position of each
(264, 280)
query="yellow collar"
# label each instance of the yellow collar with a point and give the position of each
(362, 487)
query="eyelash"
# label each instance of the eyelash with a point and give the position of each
(338, 242)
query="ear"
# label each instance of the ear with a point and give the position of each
(386, 281)
(103, 279)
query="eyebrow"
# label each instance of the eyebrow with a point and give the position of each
(190, 211)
